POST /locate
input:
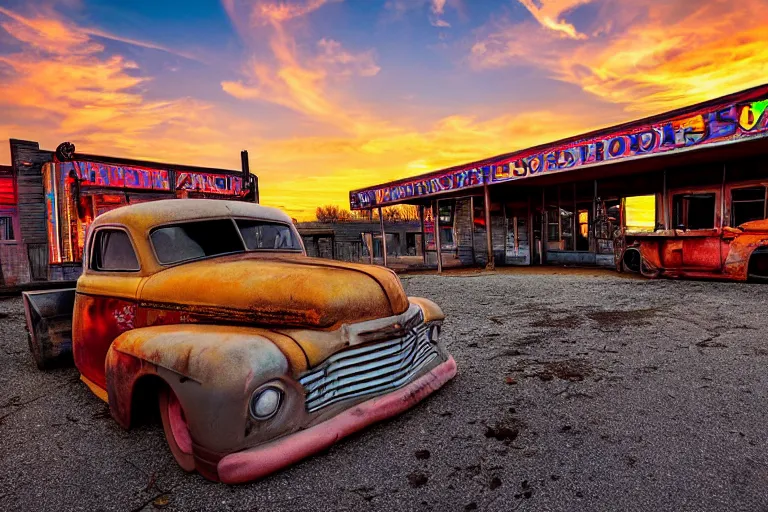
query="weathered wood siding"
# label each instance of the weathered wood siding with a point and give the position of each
(463, 231)
(27, 160)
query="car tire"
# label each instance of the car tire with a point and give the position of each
(176, 430)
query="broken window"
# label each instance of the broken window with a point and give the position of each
(566, 228)
(694, 211)
(445, 221)
(6, 228)
(747, 204)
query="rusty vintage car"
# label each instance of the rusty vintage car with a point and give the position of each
(256, 354)
(737, 254)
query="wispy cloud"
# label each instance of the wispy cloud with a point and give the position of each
(59, 32)
(62, 78)
(435, 9)
(646, 55)
(549, 13)
(301, 81)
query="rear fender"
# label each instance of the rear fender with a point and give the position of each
(213, 370)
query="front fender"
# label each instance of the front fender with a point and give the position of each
(430, 310)
(736, 263)
(212, 370)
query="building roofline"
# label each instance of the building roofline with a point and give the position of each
(149, 164)
(745, 95)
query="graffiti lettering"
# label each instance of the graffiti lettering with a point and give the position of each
(209, 183)
(723, 123)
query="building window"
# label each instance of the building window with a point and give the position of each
(747, 204)
(582, 232)
(694, 211)
(6, 229)
(641, 213)
(113, 252)
(445, 221)
(566, 228)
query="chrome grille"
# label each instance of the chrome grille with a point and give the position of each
(369, 369)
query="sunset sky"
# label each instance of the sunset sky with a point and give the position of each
(332, 95)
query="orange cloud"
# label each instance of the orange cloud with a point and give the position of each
(550, 12)
(673, 57)
(290, 79)
(62, 85)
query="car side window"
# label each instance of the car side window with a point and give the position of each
(113, 252)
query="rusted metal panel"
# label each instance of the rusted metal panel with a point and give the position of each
(49, 326)
(724, 254)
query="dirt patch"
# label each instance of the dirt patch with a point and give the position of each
(417, 479)
(501, 432)
(533, 339)
(571, 369)
(619, 318)
(506, 430)
(548, 320)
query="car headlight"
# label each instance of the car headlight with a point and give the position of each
(434, 333)
(265, 403)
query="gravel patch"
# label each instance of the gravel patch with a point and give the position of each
(576, 391)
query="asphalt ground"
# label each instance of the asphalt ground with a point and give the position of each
(576, 391)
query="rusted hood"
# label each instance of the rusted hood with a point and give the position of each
(756, 226)
(283, 290)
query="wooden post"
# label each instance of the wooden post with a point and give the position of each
(593, 227)
(488, 235)
(423, 234)
(437, 237)
(529, 225)
(664, 201)
(383, 237)
(472, 227)
(544, 228)
(722, 201)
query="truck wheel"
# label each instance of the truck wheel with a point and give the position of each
(176, 429)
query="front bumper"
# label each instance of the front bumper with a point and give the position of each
(260, 461)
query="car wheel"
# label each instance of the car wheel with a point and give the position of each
(176, 429)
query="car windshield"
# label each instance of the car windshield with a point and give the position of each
(194, 240)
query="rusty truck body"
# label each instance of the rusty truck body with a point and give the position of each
(256, 355)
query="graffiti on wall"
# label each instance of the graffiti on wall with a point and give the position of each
(716, 125)
(429, 229)
(117, 176)
(209, 183)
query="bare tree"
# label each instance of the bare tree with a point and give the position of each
(401, 213)
(332, 213)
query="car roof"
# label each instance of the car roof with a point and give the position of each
(142, 217)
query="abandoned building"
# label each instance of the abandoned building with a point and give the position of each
(360, 241)
(48, 199)
(690, 172)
